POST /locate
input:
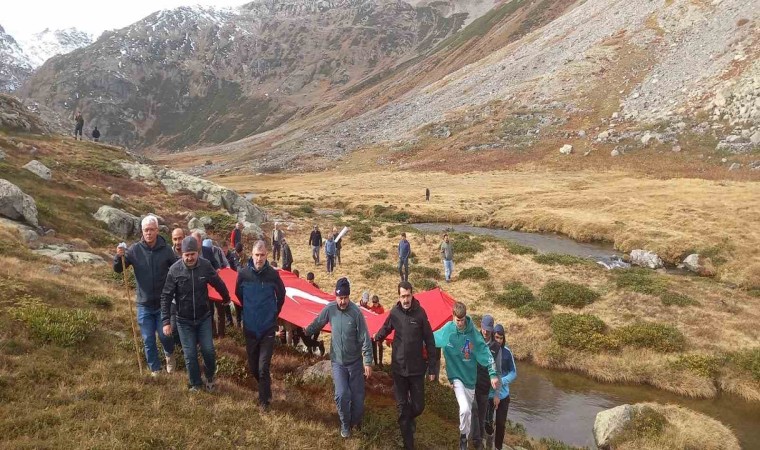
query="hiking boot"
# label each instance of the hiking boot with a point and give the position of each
(345, 432)
(462, 442)
(155, 374)
(194, 389)
(264, 407)
(169, 363)
(210, 386)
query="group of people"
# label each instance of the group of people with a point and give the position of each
(404, 250)
(172, 296)
(332, 244)
(79, 128)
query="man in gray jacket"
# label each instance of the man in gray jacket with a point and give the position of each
(350, 342)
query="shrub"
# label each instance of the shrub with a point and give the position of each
(748, 360)
(655, 336)
(515, 295)
(378, 269)
(567, 294)
(673, 299)
(534, 308)
(645, 423)
(427, 272)
(640, 280)
(99, 301)
(220, 221)
(466, 246)
(581, 332)
(231, 367)
(63, 327)
(423, 284)
(474, 273)
(519, 249)
(554, 259)
(703, 365)
(381, 254)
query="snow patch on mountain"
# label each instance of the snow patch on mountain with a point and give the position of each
(42, 46)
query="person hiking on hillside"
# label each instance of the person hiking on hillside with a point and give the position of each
(96, 134)
(483, 385)
(499, 405)
(79, 125)
(413, 339)
(350, 353)
(315, 241)
(187, 285)
(150, 258)
(277, 237)
(447, 254)
(404, 251)
(330, 253)
(377, 346)
(427, 194)
(287, 256)
(463, 347)
(338, 244)
(236, 235)
(262, 294)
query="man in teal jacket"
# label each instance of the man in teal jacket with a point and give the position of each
(463, 347)
(350, 341)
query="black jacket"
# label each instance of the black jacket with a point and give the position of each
(207, 253)
(483, 382)
(189, 288)
(262, 294)
(151, 266)
(96, 133)
(413, 332)
(315, 239)
(287, 256)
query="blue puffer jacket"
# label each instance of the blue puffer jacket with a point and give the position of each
(151, 264)
(262, 294)
(508, 373)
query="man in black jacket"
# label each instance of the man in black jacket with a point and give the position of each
(315, 241)
(262, 293)
(408, 365)
(151, 259)
(483, 385)
(187, 284)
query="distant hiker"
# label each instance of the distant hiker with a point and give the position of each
(310, 279)
(96, 134)
(262, 294)
(79, 121)
(236, 235)
(463, 347)
(207, 253)
(296, 273)
(404, 251)
(338, 246)
(178, 234)
(413, 339)
(277, 236)
(377, 346)
(287, 256)
(315, 241)
(150, 258)
(499, 405)
(349, 351)
(364, 302)
(447, 254)
(427, 194)
(187, 285)
(330, 253)
(482, 384)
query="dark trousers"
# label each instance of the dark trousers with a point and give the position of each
(403, 263)
(337, 254)
(276, 250)
(330, 263)
(501, 420)
(410, 401)
(217, 318)
(259, 358)
(196, 334)
(377, 352)
(239, 314)
(173, 322)
(479, 410)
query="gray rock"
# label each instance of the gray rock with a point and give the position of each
(15, 204)
(196, 224)
(50, 232)
(27, 233)
(38, 169)
(2, 155)
(645, 258)
(566, 149)
(735, 166)
(119, 222)
(676, 148)
(582, 133)
(116, 198)
(54, 269)
(320, 370)
(610, 422)
(64, 254)
(755, 138)
(615, 152)
(646, 139)
(206, 220)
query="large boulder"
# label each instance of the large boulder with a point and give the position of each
(645, 258)
(700, 265)
(64, 253)
(15, 204)
(119, 222)
(39, 169)
(138, 171)
(319, 371)
(610, 422)
(196, 224)
(27, 233)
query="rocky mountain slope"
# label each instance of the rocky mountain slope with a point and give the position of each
(190, 75)
(39, 47)
(15, 66)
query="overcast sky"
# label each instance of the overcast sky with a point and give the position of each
(25, 17)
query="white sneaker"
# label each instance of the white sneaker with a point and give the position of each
(170, 364)
(155, 374)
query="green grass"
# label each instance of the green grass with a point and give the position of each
(707, 366)
(569, 294)
(583, 332)
(474, 273)
(62, 327)
(674, 299)
(558, 259)
(378, 269)
(655, 336)
(534, 309)
(381, 255)
(640, 280)
(748, 360)
(515, 295)
(519, 249)
(99, 301)
(646, 422)
(426, 272)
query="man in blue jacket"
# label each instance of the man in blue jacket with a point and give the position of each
(500, 399)
(350, 342)
(262, 293)
(404, 251)
(150, 259)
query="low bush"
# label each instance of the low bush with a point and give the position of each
(674, 299)
(99, 301)
(519, 249)
(474, 273)
(555, 259)
(703, 365)
(515, 295)
(569, 294)
(427, 272)
(423, 284)
(534, 308)
(646, 422)
(63, 327)
(220, 222)
(640, 280)
(378, 269)
(652, 335)
(381, 254)
(748, 360)
(584, 332)
(466, 246)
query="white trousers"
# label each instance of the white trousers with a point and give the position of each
(464, 398)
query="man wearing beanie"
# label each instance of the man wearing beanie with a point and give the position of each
(483, 385)
(262, 293)
(350, 353)
(187, 284)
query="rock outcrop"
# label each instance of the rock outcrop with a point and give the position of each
(15, 204)
(645, 258)
(610, 422)
(15, 116)
(700, 265)
(65, 254)
(319, 371)
(39, 169)
(119, 222)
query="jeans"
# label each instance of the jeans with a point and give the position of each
(479, 410)
(173, 322)
(337, 254)
(330, 263)
(276, 250)
(194, 333)
(315, 253)
(349, 392)
(150, 323)
(377, 352)
(403, 263)
(501, 420)
(464, 397)
(448, 267)
(410, 401)
(259, 352)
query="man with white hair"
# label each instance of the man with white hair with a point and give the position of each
(150, 258)
(277, 236)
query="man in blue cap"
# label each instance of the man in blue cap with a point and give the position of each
(350, 347)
